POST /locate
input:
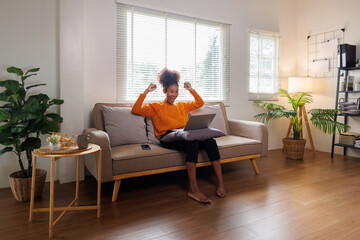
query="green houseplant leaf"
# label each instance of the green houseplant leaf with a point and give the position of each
(55, 117)
(6, 137)
(56, 102)
(27, 76)
(35, 85)
(31, 105)
(324, 120)
(11, 86)
(50, 126)
(6, 149)
(32, 70)
(15, 70)
(30, 144)
(4, 115)
(19, 127)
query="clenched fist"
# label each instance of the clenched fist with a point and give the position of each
(188, 87)
(151, 88)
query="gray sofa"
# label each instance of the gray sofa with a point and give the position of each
(245, 140)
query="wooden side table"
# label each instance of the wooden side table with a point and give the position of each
(93, 148)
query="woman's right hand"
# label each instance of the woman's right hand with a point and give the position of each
(151, 88)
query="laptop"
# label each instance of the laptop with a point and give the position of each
(198, 122)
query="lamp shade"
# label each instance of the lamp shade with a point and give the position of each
(299, 84)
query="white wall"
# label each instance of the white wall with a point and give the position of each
(72, 82)
(28, 39)
(320, 16)
(99, 54)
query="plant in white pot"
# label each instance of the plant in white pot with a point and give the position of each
(23, 118)
(54, 142)
(322, 119)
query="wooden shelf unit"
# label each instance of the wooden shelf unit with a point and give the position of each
(346, 97)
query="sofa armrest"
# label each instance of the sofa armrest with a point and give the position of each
(100, 138)
(250, 129)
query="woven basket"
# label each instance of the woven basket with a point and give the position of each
(294, 149)
(21, 187)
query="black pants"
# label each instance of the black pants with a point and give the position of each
(192, 148)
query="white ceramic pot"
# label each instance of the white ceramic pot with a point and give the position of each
(54, 146)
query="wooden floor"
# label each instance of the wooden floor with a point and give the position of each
(315, 198)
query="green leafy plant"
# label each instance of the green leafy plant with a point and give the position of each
(54, 138)
(23, 118)
(322, 119)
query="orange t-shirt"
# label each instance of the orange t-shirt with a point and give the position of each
(167, 116)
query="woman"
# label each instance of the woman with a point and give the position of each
(169, 115)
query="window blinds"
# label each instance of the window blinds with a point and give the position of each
(263, 66)
(149, 40)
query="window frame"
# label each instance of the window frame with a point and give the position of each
(259, 95)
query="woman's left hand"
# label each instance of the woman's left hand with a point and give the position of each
(188, 87)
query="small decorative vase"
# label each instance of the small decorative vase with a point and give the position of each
(54, 146)
(83, 141)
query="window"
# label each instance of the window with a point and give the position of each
(263, 66)
(149, 40)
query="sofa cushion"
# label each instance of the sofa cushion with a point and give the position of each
(192, 135)
(234, 146)
(218, 121)
(123, 127)
(131, 158)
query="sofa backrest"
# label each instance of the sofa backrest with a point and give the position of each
(99, 117)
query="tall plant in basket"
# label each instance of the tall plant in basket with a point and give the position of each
(23, 118)
(322, 119)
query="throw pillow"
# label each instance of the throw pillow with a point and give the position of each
(123, 127)
(150, 131)
(218, 121)
(193, 135)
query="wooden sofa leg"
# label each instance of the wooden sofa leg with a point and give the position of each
(116, 190)
(253, 162)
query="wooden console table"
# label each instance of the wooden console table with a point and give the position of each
(93, 148)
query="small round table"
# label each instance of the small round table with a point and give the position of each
(92, 149)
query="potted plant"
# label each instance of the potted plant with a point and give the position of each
(322, 119)
(54, 142)
(23, 117)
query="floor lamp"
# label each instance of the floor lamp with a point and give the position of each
(301, 84)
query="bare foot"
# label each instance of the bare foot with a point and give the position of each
(220, 191)
(199, 196)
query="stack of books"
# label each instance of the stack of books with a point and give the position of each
(349, 108)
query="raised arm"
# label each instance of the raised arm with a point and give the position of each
(190, 106)
(144, 110)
